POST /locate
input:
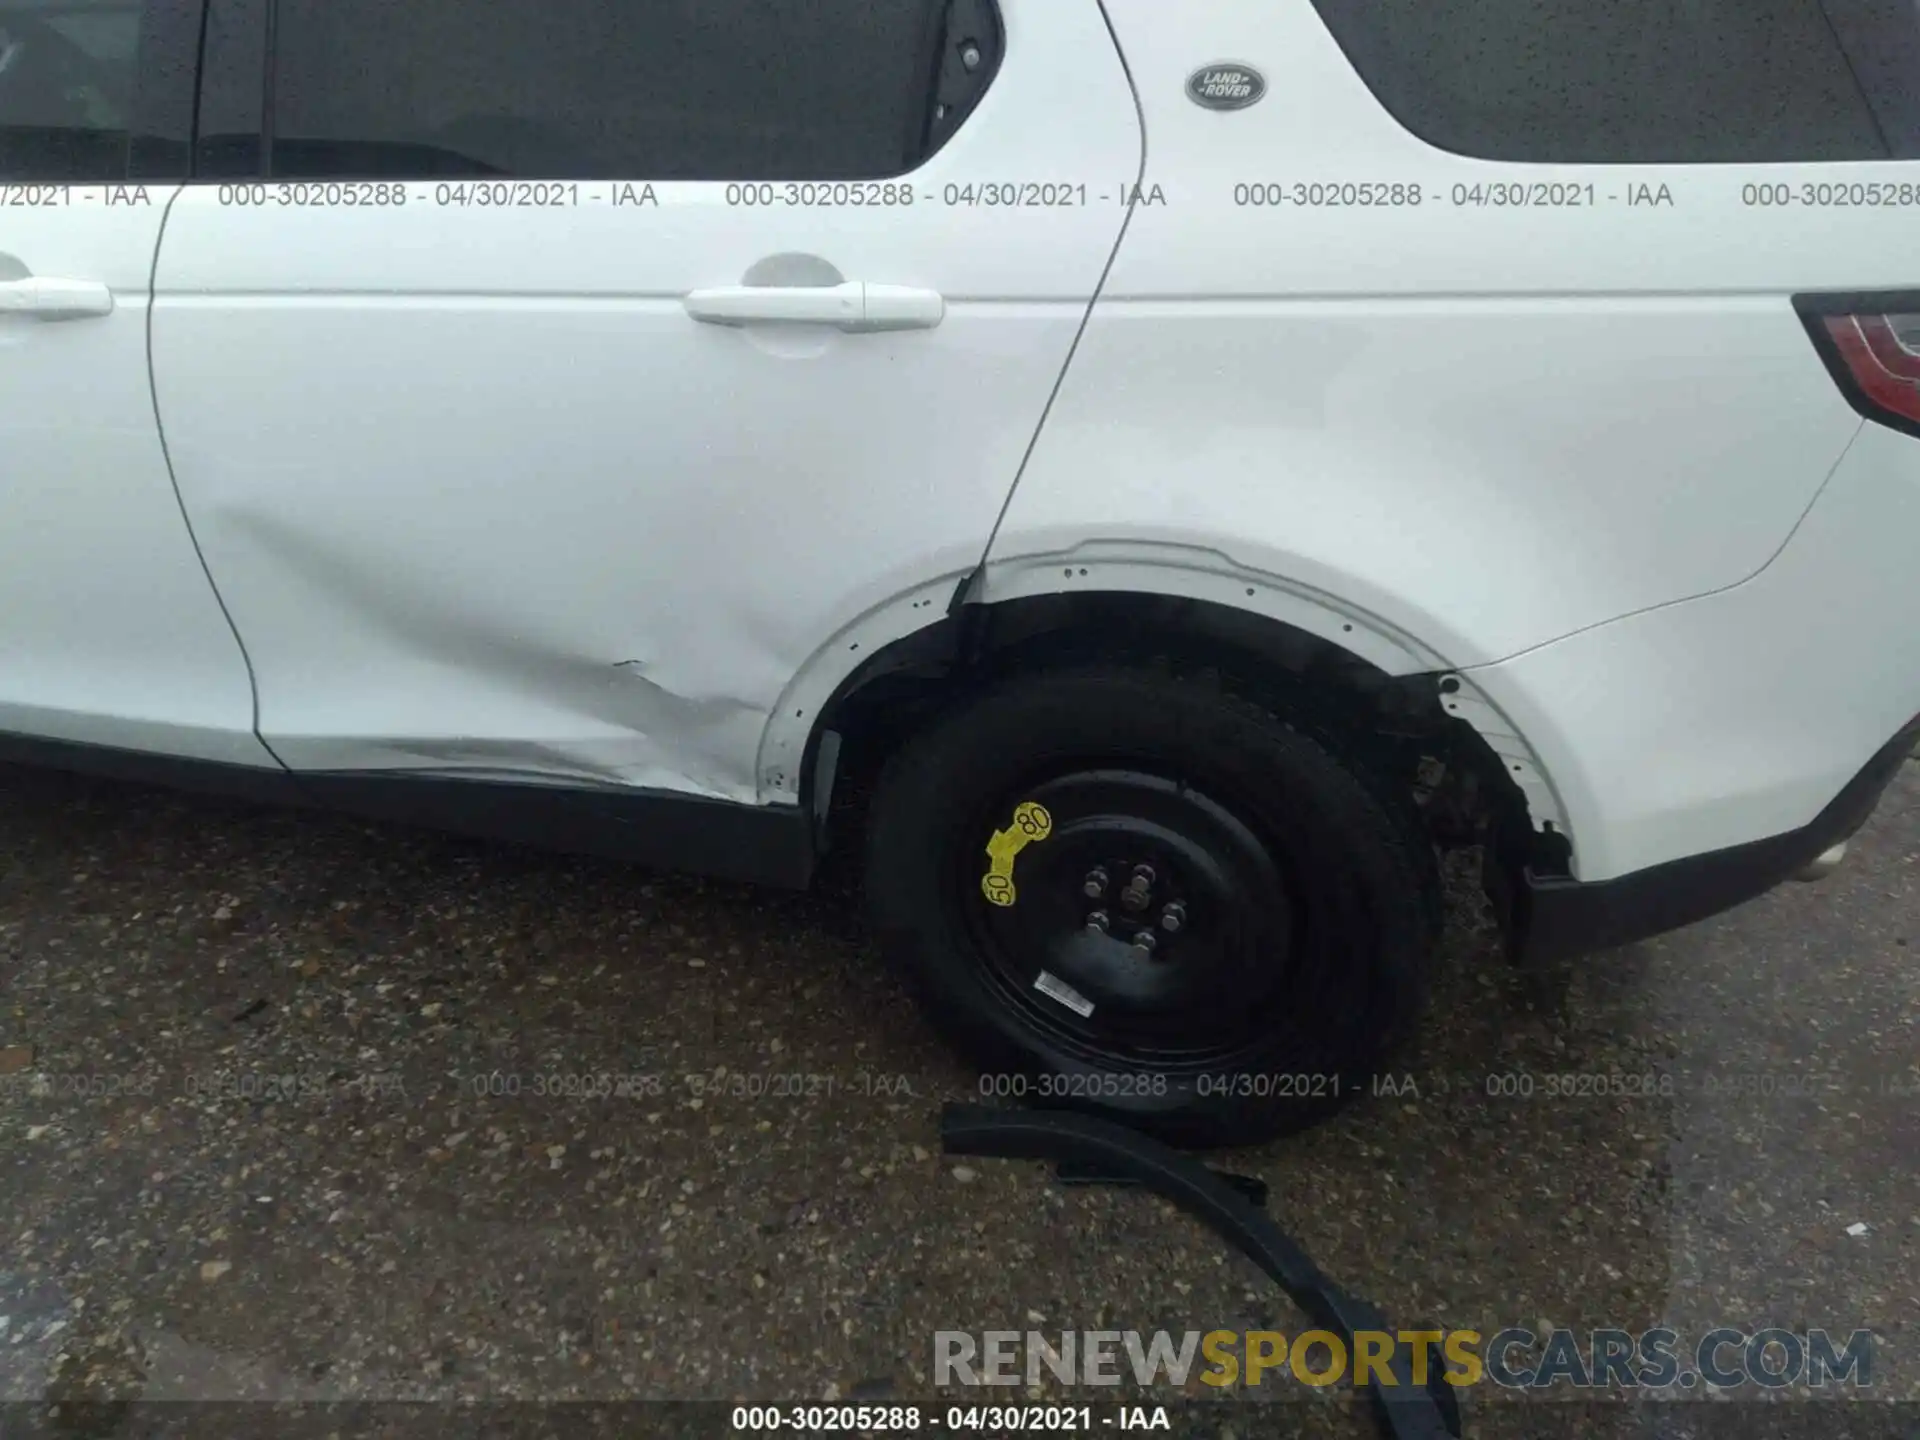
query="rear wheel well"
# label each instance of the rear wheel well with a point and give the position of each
(1462, 789)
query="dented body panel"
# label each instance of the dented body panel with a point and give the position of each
(484, 499)
(561, 499)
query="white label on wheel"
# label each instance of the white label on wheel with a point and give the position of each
(1054, 988)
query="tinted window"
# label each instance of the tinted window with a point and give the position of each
(1882, 39)
(586, 89)
(1612, 81)
(67, 72)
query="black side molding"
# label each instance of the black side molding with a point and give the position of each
(268, 786)
(764, 844)
(1557, 918)
(663, 830)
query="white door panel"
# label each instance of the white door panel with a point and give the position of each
(484, 497)
(109, 631)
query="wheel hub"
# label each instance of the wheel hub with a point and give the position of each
(1146, 914)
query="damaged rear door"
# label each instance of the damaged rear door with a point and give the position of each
(547, 384)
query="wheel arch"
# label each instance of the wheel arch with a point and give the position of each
(895, 668)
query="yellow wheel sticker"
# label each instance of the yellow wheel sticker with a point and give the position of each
(1031, 823)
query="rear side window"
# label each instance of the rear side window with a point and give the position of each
(67, 78)
(1624, 81)
(604, 89)
(1882, 39)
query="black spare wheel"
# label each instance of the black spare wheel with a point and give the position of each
(1143, 895)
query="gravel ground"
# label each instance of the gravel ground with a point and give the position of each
(297, 1108)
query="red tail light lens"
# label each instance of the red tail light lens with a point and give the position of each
(1872, 345)
(1878, 360)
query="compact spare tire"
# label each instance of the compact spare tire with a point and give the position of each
(1141, 894)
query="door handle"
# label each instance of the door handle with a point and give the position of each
(44, 299)
(853, 306)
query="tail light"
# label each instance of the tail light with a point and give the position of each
(1871, 343)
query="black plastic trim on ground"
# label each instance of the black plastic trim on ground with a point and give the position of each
(1079, 1172)
(1404, 1410)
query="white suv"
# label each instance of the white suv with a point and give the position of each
(1179, 462)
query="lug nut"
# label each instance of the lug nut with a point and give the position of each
(970, 57)
(1146, 942)
(1143, 875)
(1174, 918)
(1097, 923)
(1095, 884)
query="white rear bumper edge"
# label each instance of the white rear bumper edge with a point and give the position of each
(1737, 716)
